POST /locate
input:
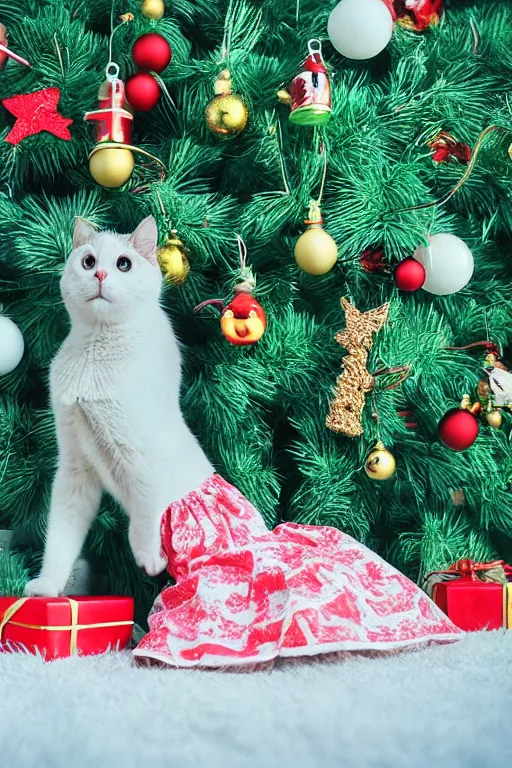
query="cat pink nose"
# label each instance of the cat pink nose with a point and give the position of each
(100, 274)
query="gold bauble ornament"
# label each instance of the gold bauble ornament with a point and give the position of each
(380, 464)
(226, 114)
(173, 260)
(315, 251)
(152, 9)
(111, 166)
(494, 418)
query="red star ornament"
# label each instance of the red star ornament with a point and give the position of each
(36, 112)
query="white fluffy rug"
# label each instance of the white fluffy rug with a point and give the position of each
(444, 706)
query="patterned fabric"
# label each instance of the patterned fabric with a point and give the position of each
(245, 594)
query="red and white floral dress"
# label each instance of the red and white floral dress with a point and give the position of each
(246, 595)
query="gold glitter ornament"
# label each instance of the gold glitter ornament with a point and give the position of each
(355, 381)
(226, 114)
(173, 261)
(380, 464)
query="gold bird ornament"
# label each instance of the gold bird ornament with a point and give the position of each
(355, 381)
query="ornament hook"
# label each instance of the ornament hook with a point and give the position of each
(112, 72)
(242, 249)
(318, 47)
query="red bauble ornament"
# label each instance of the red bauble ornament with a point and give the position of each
(458, 429)
(152, 52)
(409, 275)
(142, 91)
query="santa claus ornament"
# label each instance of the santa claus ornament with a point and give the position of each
(243, 321)
(310, 91)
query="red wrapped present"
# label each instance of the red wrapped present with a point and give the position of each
(57, 627)
(472, 594)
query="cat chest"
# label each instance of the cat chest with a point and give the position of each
(85, 379)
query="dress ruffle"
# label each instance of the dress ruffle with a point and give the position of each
(246, 595)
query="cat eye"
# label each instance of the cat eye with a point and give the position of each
(88, 261)
(124, 264)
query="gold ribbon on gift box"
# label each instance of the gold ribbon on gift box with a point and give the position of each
(72, 628)
(507, 606)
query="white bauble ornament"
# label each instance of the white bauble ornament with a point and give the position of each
(448, 264)
(360, 29)
(11, 345)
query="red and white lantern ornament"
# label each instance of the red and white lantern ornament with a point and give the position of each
(310, 90)
(111, 160)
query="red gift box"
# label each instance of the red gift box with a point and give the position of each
(57, 627)
(471, 594)
(471, 605)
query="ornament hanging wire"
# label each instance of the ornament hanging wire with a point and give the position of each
(461, 182)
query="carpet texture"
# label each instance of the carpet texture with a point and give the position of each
(443, 706)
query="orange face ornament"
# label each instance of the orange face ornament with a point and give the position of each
(243, 321)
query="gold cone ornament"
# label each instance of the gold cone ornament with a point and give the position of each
(173, 261)
(226, 114)
(315, 251)
(380, 464)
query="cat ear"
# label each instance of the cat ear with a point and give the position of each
(145, 239)
(83, 232)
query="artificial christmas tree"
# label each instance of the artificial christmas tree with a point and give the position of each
(260, 409)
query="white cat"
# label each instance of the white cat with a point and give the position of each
(115, 394)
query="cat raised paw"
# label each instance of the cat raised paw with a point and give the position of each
(152, 564)
(41, 587)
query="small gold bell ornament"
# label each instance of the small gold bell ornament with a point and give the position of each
(226, 114)
(380, 464)
(173, 261)
(315, 251)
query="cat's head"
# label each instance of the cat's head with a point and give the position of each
(110, 278)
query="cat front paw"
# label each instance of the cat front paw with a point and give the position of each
(153, 563)
(147, 550)
(41, 587)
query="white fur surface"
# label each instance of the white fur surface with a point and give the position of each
(443, 707)
(114, 387)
